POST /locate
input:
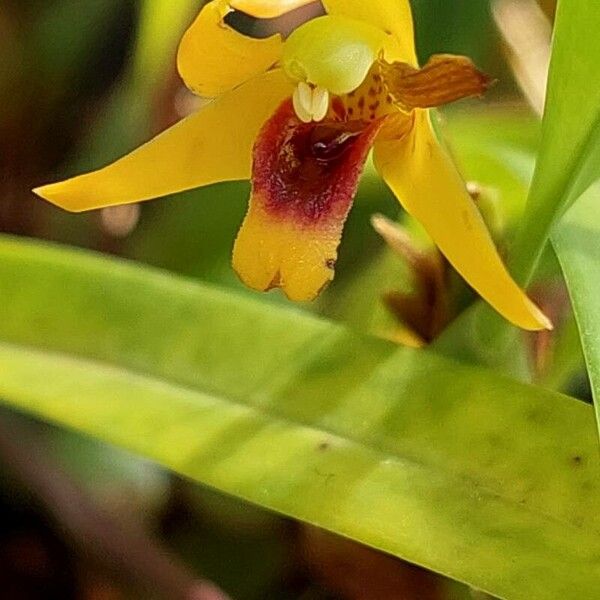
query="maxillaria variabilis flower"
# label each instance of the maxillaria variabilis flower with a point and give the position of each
(298, 117)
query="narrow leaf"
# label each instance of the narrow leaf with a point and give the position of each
(570, 148)
(577, 243)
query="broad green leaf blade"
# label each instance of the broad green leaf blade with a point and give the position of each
(570, 148)
(576, 240)
(477, 477)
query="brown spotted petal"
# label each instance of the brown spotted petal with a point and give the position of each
(304, 181)
(444, 79)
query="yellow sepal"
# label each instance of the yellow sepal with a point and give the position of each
(423, 178)
(213, 145)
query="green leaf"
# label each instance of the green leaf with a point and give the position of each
(568, 165)
(449, 466)
(570, 148)
(577, 243)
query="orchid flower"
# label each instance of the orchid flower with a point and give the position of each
(298, 117)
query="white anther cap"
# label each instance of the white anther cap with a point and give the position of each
(311, 103)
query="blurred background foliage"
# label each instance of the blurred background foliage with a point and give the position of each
(82, 81)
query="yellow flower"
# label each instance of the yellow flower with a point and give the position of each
(298, 117)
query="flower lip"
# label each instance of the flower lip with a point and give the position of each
(329, 145)
(307, 169)
(305, 177)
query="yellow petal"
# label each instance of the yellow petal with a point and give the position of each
(392, 16)
(426, 182)
(213, 145)
(214, 58)
(268, 9)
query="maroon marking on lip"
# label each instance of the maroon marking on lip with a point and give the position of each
(309, 173)
(339, 109)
